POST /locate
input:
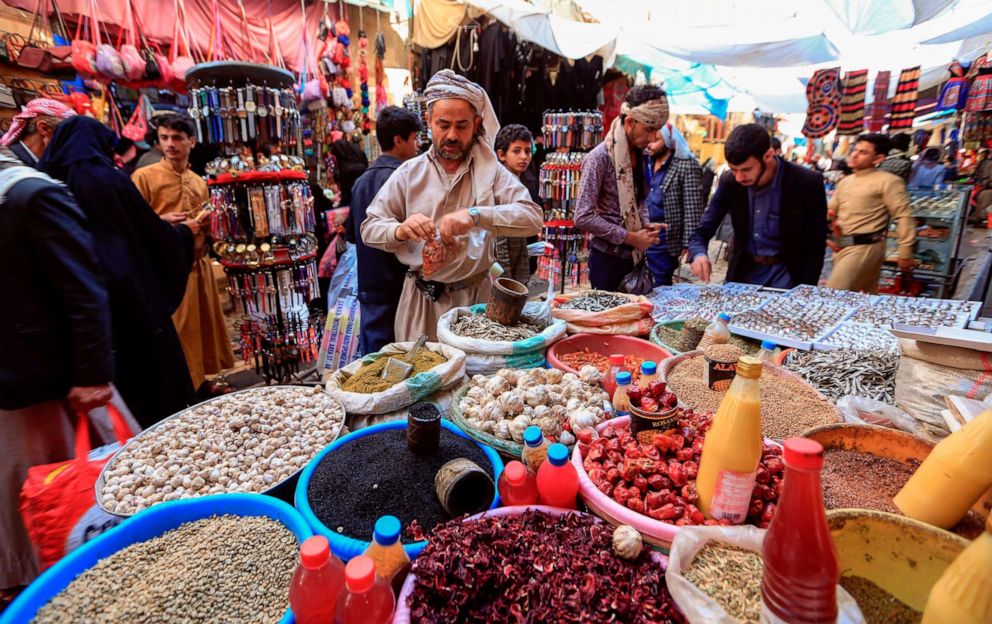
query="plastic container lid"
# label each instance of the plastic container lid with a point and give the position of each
(359, 574)
(617, 359)
(803, 453)
(768, 344)
(558, 453)
(533, 436)
(515, 473)
(387, 530)
(723, 316)
(649, 368)
(315, 552)
(624, 378)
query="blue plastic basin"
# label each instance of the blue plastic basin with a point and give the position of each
(144, 526)
(348, 547)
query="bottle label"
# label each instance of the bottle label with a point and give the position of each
(732, 495)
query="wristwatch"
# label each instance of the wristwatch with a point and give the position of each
(475, 214)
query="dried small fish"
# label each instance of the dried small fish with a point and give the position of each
(844, 371)
(481, 327)
(595, 301)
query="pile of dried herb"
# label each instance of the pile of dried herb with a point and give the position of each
(535, 568)
(732, 577)
(368, 381)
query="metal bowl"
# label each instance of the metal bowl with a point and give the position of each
(281, 489)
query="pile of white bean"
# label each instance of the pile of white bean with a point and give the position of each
(244, 442)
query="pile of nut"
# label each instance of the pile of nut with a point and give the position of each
(560, 403)
(244, 442)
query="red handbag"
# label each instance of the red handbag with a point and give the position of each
(137, 127)
(134, 63)
(83, 51)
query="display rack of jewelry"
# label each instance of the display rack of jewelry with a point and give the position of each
(262, 218)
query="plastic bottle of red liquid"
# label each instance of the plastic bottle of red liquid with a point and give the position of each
(610, 378)
(316, 583)
(557, 480)
(366, 598)
(517, 485)
(799, 585)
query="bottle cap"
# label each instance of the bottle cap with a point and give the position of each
(723, 316)
(515, 473)
(359, 574)
(803, 453)
(387, 530)
(533, 436)
(624, 378)
(749, 367)
(315, 552)
(558, 454)
(768, 344)
(616, 359)
(649, 368)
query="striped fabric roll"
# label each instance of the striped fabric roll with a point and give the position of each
(904, 103)
(852, 107)
(880, 105)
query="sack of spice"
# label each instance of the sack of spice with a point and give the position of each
(929, 372)
(360, 387)
(714, 576)
(441, 400)
(600, 312)
(485, 352)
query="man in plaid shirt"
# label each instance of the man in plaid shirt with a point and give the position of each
(675, 197)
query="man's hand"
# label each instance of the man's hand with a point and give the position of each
(417, 227)
(85, 398)
(175, 217)
(193, 225)
(906, 264)
(642, 240)
(702, 268)
(456, 224)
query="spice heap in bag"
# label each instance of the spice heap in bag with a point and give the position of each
(536, 568)
(369, 380)
(505, 404)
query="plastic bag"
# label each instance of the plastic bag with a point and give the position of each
(436, 255)
(58, 501)
(864, 411)
(697, 606)
(640, 281)
(339, 344)
(638, 308)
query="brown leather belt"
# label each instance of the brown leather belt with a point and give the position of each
(863, 239)
(434, 290)
(766, 260)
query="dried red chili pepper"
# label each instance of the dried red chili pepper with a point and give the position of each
(436, 255)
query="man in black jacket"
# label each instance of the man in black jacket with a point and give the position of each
(380, 274)
(779, 214)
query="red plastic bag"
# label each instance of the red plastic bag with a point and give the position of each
(58, 501)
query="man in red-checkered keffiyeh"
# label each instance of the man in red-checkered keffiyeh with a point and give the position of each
(32, 128)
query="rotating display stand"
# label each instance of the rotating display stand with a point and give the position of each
(262, 218)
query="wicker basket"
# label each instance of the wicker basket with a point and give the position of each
(506, 448)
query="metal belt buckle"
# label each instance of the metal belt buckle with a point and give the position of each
(846, 241)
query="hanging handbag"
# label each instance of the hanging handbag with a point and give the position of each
(83, 51)
(180, 63)
(7, 96)
(137, 126)
(152, 74)
(134, 64)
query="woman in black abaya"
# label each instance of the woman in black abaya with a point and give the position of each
(145, 263)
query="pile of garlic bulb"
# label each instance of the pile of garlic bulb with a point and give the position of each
(506, 403)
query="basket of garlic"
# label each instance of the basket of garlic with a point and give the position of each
(496, 409)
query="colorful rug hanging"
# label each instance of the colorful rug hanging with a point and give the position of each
(880, 104)
(852, 108)
(980, 94)
(904, 103)
(823, 96)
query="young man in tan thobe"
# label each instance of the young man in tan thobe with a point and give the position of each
(176, 193)
(457, 186)
(863, 204)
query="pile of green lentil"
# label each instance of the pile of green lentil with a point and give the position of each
(222, 569)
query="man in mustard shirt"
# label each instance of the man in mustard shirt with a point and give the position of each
(862, 206)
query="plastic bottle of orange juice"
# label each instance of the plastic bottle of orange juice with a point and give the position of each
(963, 594)
(956, 473)
(732, 448)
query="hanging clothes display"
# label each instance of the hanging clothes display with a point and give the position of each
(852, 108)
(880, 105)
(823, 96)
(954, 93)
(904, 103)
(980, 93)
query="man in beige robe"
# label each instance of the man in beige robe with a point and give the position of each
(456, 188)
(176, 193)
